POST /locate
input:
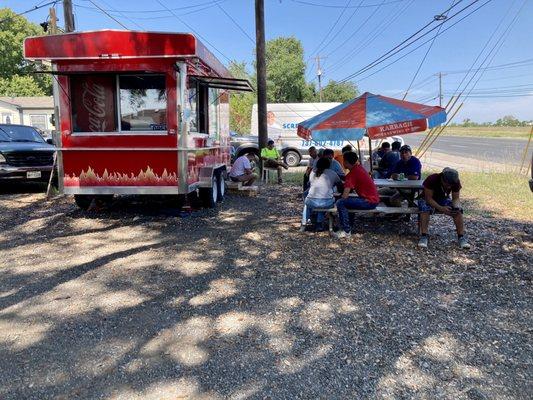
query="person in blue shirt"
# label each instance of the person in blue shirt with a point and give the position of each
(411, 168)
(389, 160)
(409, 165)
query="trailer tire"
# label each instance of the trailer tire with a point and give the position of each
(221, 186)
(83, 201)
(292, 158)
(209, 195)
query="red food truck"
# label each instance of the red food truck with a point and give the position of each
(139, 113)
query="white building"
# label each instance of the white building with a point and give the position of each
(34, 111)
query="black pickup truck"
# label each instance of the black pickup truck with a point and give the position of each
(24, 154)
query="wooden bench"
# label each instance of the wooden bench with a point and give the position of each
(239, 187)
(380, 209)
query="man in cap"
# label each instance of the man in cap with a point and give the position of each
(408, 167)
(437, 190)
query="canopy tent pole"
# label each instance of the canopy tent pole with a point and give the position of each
(359, 150)
(370, 153)
(441, 130)
(526, 151)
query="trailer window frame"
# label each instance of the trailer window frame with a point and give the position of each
(118, 129)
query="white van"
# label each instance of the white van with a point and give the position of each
(283, 120)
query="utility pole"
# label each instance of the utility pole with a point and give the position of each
(52, 30)
(319, 76)
(441, 97)
(261, 73)
(68, 16)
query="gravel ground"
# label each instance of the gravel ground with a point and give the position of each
(138, 303)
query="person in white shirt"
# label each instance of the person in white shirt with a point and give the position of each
(242, 170)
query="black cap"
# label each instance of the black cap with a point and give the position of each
(450, 176)
(270, 141)
(406, 147)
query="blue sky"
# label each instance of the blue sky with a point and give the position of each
(351, 45)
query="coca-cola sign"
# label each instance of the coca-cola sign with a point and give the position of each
(93, 104)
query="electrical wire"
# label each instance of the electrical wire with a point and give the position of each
(236, 23)
(109, 15)
(329, 31)
(194, 31)
(370, 37)
(308, 3)
(424, 58)
(423, 43)
(211, 3)
(123, 15)
(34, 8)
(410, 40)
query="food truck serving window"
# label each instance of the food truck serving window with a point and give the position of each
(119, 103)
(143, 103)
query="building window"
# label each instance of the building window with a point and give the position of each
(38, 121)
(6, 118)
(143, 103)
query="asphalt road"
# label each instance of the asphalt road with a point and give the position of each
(499, 150)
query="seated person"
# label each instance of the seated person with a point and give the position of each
(242, 171)
(361, 183)
(378, 170)
(437, 189)
(320, 195)
(389, 160)
(313, 157)
(335, 166)
(379, 153)
(411, 168)
(340, 157)
(272, 159)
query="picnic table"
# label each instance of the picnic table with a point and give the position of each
(404, 184)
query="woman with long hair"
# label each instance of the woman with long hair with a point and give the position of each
(320, 195)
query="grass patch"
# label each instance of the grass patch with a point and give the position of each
(497, 194)
(501, 194)
(489, 131)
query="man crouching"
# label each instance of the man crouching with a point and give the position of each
(437, 189)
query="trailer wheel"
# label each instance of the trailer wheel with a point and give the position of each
(292, 158)
(209, 195)
(221, 186)
(83, 201)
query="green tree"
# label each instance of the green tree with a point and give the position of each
(17, 85)
(339, 91)
(13, 30)
(285, 70)
(241, 103)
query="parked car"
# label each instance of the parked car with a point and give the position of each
(24, 154)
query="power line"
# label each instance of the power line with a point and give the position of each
(416, 48)
(194, 31)
(424, 58)
(308, 3)
(123, 15)
(109, 15)
(371, 36)
(211, 3)
(329, 31)
(358, 29)
(405, 43)
(236, 23)
(34, 8)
